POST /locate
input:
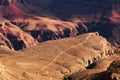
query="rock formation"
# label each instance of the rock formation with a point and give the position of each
(17, 37)
(105, 69)
(114, 70)
(45, 28)
(5, 42)
(108, 29)
(112, 73)
(16, 17)
(24, 23)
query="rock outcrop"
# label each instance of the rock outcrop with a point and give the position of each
(5, 42)
(105, 69)
(112, 73)
(114, 70)
(44, 29)
(18, 38)
(108, 29)
(41, 28)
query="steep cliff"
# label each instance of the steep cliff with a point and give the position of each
(18, 38)
(16, 15)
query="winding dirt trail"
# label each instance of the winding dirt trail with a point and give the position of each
(61, 53)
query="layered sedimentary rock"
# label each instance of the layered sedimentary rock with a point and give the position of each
(44, 28)
(18, 38)
(41, 28)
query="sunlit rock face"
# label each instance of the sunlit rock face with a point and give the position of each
(17, 13)
(5, 42)
(54, 59)
(43, 28)
(24, 14)
(16, 37)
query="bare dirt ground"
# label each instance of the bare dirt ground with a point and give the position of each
(52, 60)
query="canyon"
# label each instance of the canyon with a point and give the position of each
(50, 39)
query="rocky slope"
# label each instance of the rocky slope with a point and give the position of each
(23, 14)
(21, 27)
(17, 37)
(48, 61)
(23, 33)
(105, 69)
(15, 13)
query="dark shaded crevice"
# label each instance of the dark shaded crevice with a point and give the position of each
(67, 32)
(17, 44)
(91, 65)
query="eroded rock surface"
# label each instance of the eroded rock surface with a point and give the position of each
(105, 69)
(18, 38)
(114, 69)
(108, 29)
(41, 28)
(5, 42)
(48, 61)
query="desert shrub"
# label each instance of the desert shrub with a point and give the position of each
(66, 77)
